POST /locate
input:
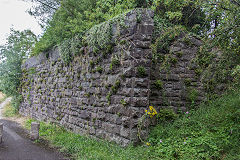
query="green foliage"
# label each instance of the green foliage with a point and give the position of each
(17, 49)
(162, 43)
(91, 64)
(219, 56)
(211, 132)
(216, 67)
(113, 90)
(99, 37)
(115, 87)
(179, 54)
(109, 97)
(123, 102)
(115, 61)
(141, 71)
(187, 81)
(99, 69)
(43, 10)
(9, 111)
(173, 60)
(32, 70)
(158, 84)
(84, 147)
(28, 96)
(166, 115)
(16, 101)
(185, 12)
(65, 51)
(224, 15)
(236, 73)
(192, 95)
(77, 17)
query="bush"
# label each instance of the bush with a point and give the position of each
(211, 132)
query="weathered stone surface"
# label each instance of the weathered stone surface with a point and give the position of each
(34, 130)
(104, 95)
(179, 81)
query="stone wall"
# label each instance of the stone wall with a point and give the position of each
(176, 83)
(104, 94)
(99, 94)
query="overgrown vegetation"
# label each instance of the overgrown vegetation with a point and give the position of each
(210, 132)
(9, 110)
(73, 18)
(76, 17)
(69, 24)
(16, 50)
(83, 147)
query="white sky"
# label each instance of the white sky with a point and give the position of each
(13, 15)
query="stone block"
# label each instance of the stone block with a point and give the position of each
(100, 133)
(140, 101)
(125, 132)
(146, 29)
(143, 44)
(141, 82)
(126, 121)
(125, 92)
(34, 133)
(85, 115)
(62, 80)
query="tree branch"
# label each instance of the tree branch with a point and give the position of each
(235, 2)
(39, 1)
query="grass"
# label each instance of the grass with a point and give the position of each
(2, 97)
(211, 132)
(82, 147)
(9, 111)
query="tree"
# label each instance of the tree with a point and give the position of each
(43, 10)
(12, 54)
(224, 15)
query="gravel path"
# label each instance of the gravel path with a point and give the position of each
(17, 146)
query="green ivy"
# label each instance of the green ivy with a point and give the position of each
(65, 51)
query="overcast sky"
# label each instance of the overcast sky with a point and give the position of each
(13, 15)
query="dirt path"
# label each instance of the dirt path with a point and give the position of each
(17, 146)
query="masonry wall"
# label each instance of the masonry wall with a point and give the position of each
(104, 94)
(175, 83)
(94, 94)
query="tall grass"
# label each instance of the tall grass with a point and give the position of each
(210, 132)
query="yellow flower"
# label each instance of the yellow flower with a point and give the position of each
(151, 112)
(148, 144)
(151, 108)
